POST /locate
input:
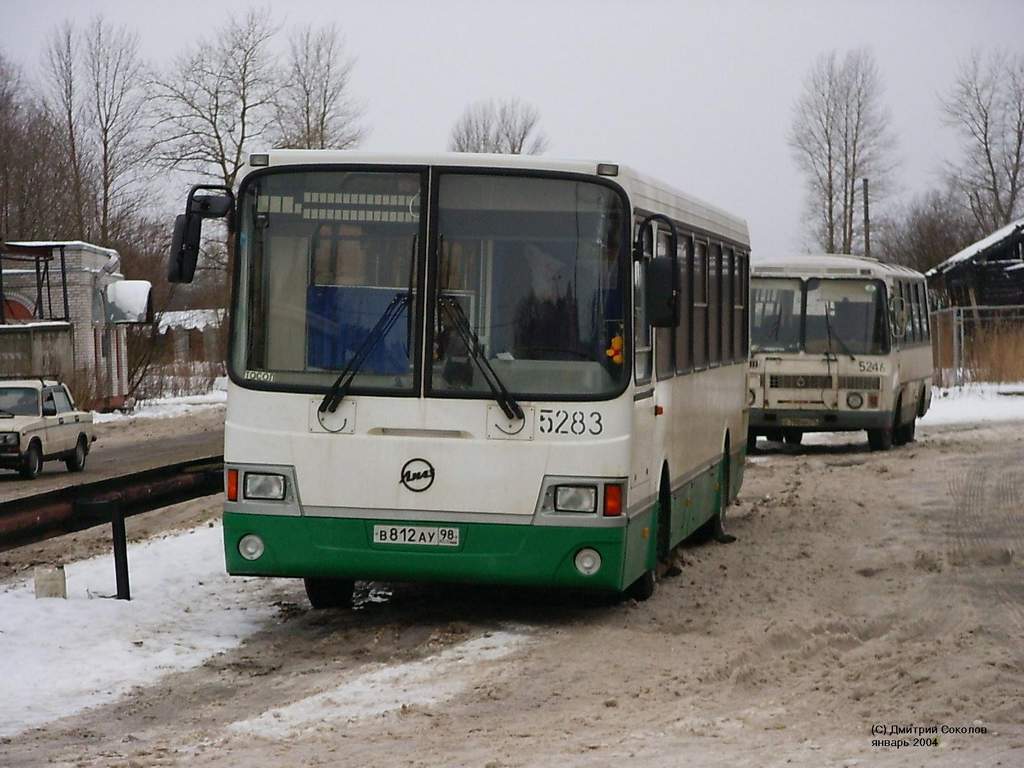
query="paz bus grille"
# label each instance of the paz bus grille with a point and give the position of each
(787, 381)
(860, 382)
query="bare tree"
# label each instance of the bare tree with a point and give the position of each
(506, 127)
(313, 108)
(926, 231)
(986, 107)
(840, 133)
(216, 101)
(66, 101)
(115, 79)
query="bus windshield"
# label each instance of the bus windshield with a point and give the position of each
(536, 266)
(845, 317)
(330, 262)
(775, 315)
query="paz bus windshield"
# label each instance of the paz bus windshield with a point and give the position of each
(818, 316)
(533, 267)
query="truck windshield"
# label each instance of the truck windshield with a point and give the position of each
(845, 316)
(536, 265)
(775, 314)
(19, 401)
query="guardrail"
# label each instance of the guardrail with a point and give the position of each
(73, 508)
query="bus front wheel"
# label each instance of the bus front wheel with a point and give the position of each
(642, 588)
(329, 593)
(883, 438)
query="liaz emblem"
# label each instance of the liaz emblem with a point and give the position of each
(417, 475)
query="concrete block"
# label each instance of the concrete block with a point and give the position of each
(50, 581)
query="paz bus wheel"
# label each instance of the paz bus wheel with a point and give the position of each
(899, 431)
(329, 593)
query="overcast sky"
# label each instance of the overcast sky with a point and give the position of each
(699, 94)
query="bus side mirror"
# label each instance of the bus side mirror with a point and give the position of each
(184, 248)
(188, 229)
(662, 291)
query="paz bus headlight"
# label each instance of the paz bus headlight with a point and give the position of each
(855, 400)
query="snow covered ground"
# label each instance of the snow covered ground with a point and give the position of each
(58, 657)
(168, 407)
(976, 403)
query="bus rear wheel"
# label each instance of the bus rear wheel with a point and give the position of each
(329, 593)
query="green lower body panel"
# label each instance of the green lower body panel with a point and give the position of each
(697, 500)
(529, 555)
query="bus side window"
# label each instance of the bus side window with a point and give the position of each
(700, 305)
(739, 305)
(925, 316)
(641, 328)
(728, 304)
(715, 305)
(664, 345)
(684, 333)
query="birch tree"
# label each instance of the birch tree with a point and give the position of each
(507, 127)
(840, 134)
(986, 107)
(313, 108)
(115, 100)
(65, 99)
(215, 102)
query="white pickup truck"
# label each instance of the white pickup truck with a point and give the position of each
(39, 422)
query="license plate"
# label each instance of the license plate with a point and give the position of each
(421, 535)
(797, 422)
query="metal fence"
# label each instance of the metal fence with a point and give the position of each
(975, 344)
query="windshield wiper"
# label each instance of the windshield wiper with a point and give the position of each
(842, 344)
(505, 401)
(381, 329)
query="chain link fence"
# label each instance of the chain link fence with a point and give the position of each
(978, 344)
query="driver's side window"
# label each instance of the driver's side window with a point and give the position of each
(49, 405)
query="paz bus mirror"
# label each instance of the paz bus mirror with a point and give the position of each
(662, 296)
(188, 229)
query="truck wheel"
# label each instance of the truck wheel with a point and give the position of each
(76, 461)
(329, 593)
(32, 464)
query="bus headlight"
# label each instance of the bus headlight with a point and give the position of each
(576, 498)
(250, 547)
(855, 399)
(259, 486)
(588, 561)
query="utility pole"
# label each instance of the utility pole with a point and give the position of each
(867, 222)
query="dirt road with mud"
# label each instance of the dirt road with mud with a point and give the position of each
(864, 589)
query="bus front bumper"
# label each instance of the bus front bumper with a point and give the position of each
(488, 553)
(818, 421)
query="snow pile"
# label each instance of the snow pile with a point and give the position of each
(167, 407)
(58, 657)
(976, 403)
(387, 688)
(191, 319)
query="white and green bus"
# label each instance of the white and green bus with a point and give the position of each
(840, 344)
(474, 368)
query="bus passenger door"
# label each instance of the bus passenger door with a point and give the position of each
(641, 484)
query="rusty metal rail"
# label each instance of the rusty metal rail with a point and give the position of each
(76, 507)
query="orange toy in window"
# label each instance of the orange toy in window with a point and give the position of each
(615, 350)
